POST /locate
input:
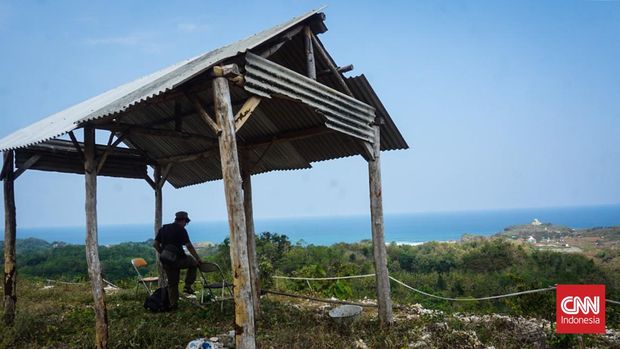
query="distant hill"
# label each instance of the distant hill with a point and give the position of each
(29, 244)
(548, 231)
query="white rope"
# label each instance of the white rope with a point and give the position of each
(326, 278)
(473, 299)
(66, 283)
(612, 302)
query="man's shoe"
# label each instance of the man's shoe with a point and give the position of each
(188, 290)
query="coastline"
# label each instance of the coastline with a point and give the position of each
(410, 228)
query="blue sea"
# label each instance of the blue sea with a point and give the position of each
(402, 228)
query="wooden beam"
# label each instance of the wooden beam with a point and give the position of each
(211, 151)
(244, 304)
(343, 69)
(250, 232)
(28, 164)
(246, 111)
(382, 280)
(310, 64)
(287, 136)
(150, 181)
(76, 144)
(273, 49)
(10, 227)
(106, 152)
(367, 150)
(137, 129)
(285, 38)
(282, 137)
(92, 252)
(6, 166)
(158, 222)
(319, 48)
(227, 71)
(178, 117)
(205, 116)
(164, 175)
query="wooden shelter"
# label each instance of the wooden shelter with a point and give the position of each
(273, 101)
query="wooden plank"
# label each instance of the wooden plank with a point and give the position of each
(246, 111)
(382, 280)
(319, 48)
(310, 64)
(92, 252)
(250, 232)
(244, 306)
(10, 227)
(205, 116)
(28, 164)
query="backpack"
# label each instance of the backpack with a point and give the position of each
(158, 301)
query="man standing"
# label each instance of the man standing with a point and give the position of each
(172, 237)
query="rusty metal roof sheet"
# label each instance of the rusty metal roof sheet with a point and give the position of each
(127, 95)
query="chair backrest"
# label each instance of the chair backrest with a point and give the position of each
(139, 262)
(208, 267)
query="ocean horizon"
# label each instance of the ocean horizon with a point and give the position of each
(399, 228)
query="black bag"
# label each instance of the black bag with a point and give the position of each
(169, 254)
(158, 301)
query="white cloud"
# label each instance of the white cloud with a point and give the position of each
(129, 40)
(189, 27)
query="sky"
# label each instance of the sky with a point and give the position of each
(504, 104)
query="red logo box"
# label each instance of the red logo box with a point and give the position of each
(580, 308)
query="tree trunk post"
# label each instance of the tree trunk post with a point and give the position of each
(92, 250)
(10, 225)
(158, 222)
(378, 241)
(249, 224)
(244, 307)
(310, 64)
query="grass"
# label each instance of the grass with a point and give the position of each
(63, 317)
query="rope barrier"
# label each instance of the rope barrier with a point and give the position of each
(325, 278)
(66, 282)
(470, 299)
(318, 299)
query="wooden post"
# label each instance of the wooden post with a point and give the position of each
(92, 250)
(244, 307)
(309, 53)
(249, 226)
(10, 273)
(163, 280)
(378, 242)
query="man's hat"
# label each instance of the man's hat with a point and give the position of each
(181, 216)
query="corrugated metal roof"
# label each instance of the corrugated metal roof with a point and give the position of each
(391, 139)
(258, 138)
(343, 113)
(125, 96)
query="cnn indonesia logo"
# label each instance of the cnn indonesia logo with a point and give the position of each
(580, 308)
